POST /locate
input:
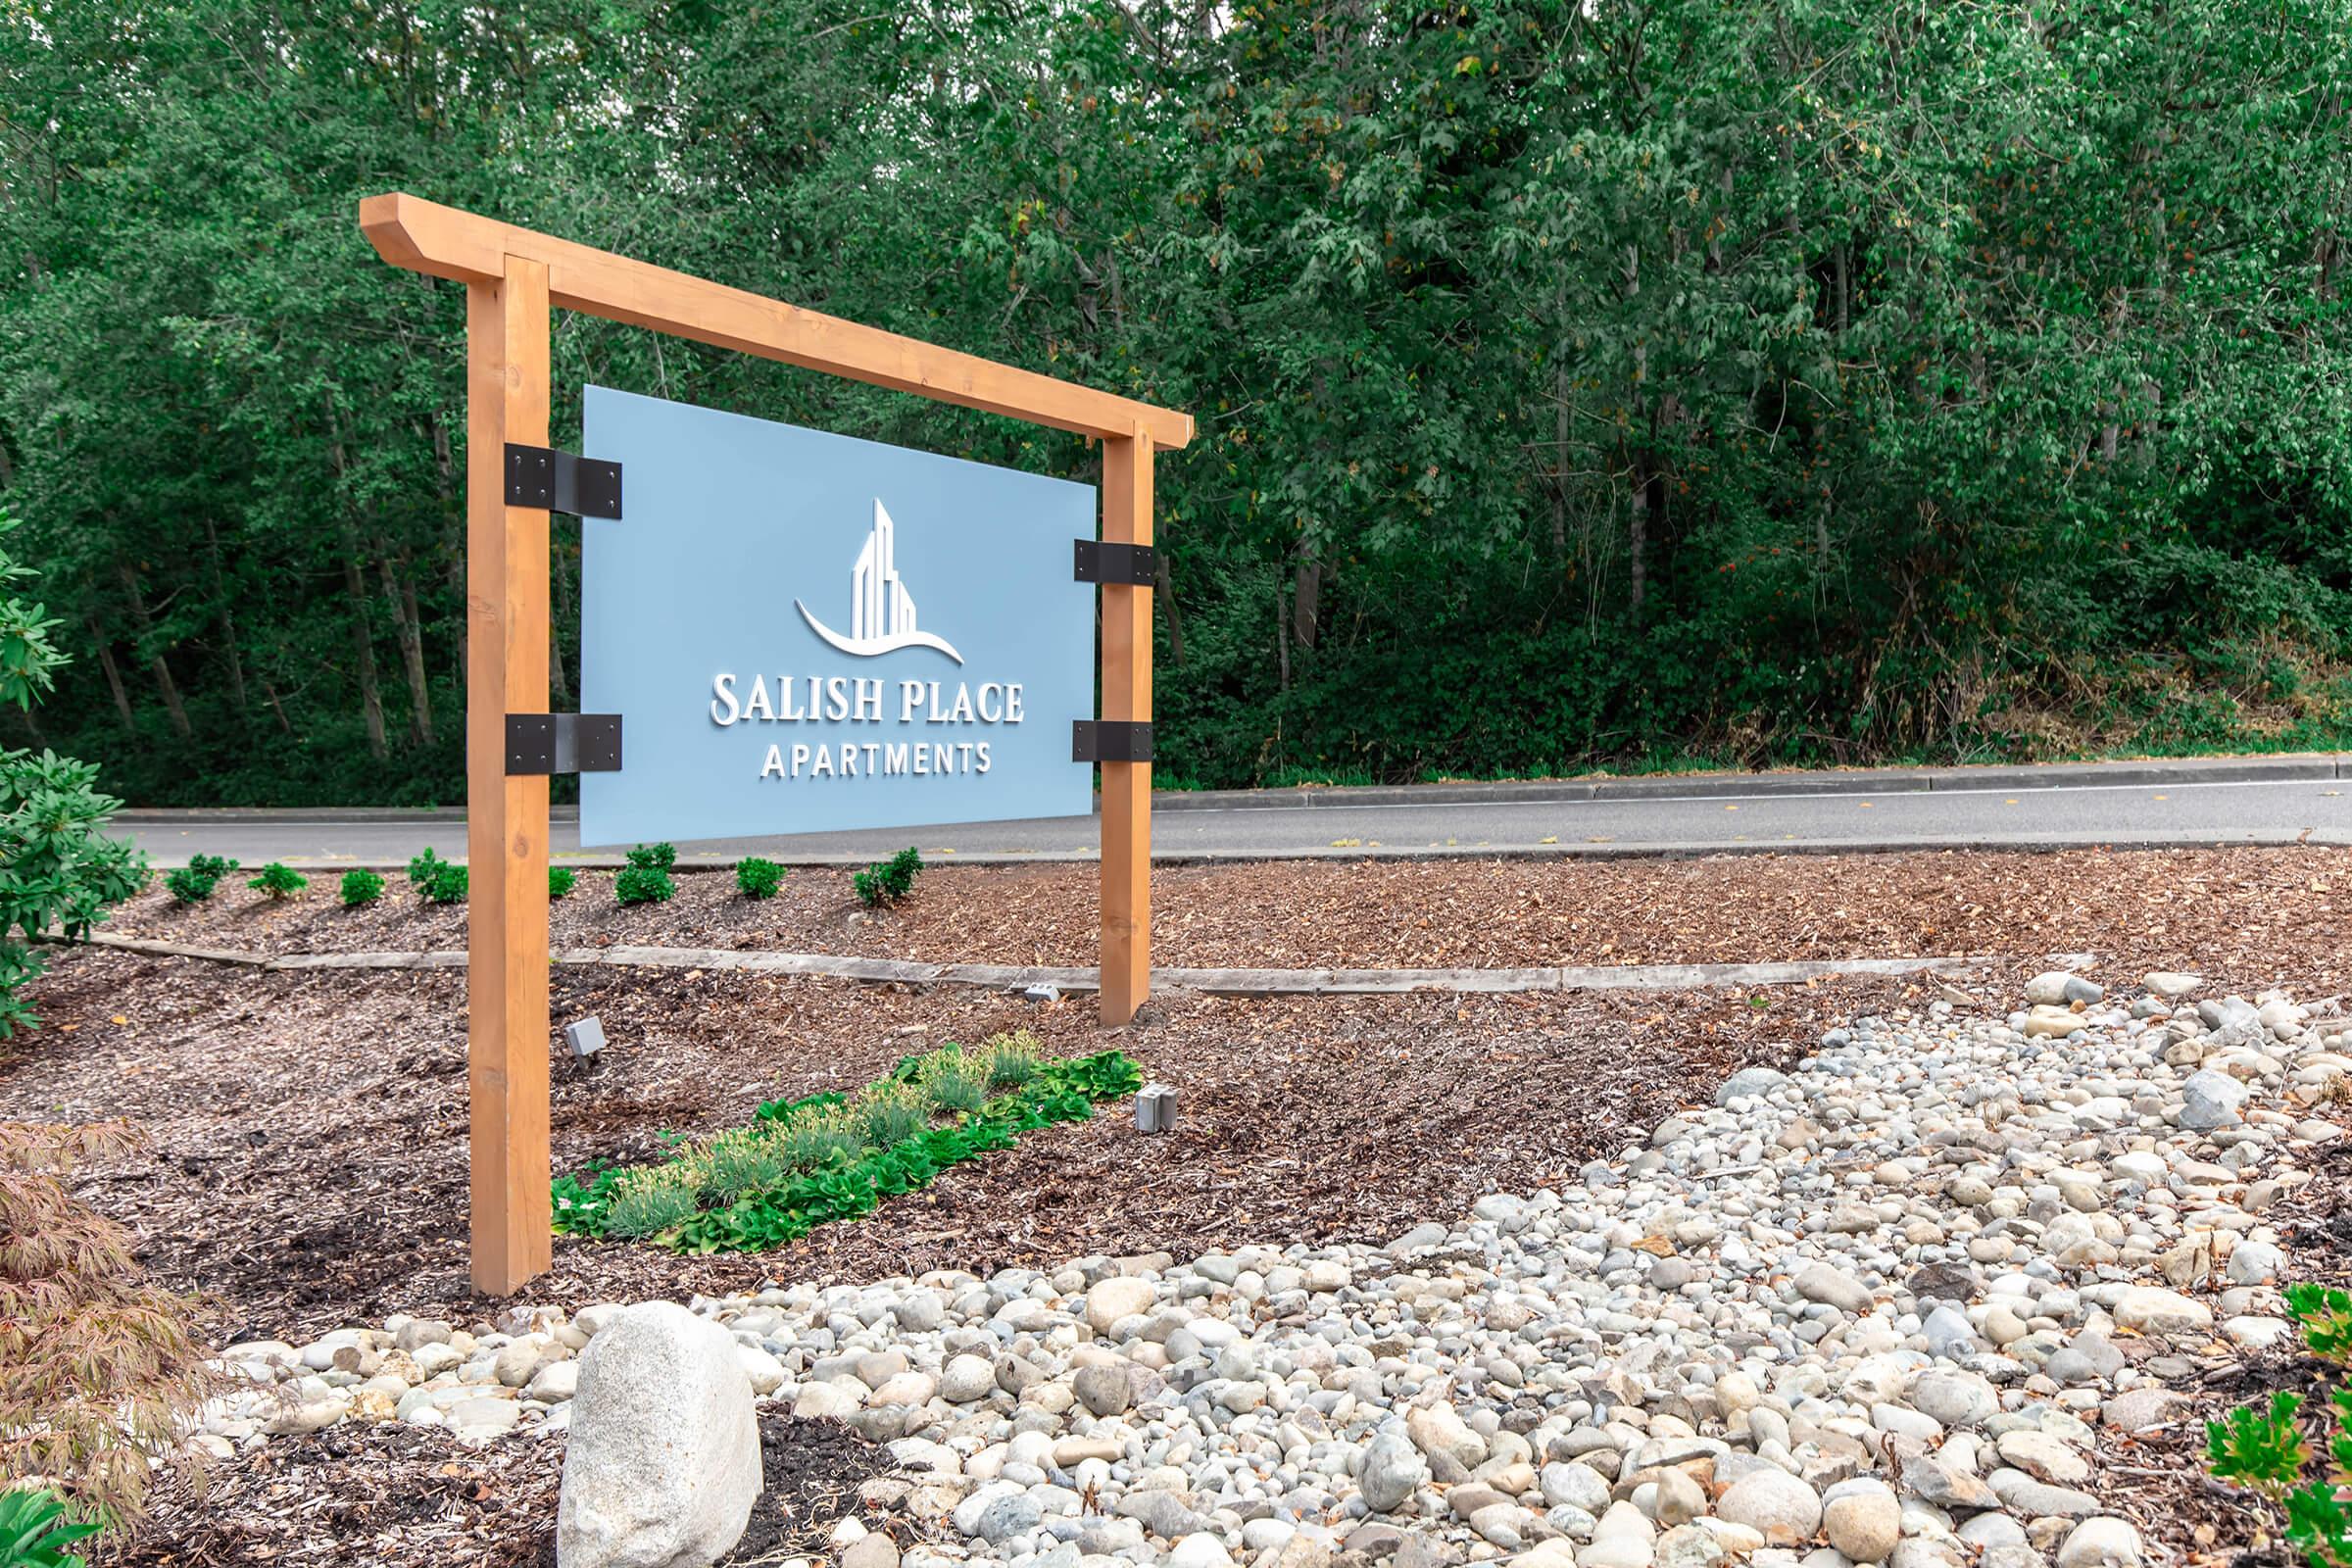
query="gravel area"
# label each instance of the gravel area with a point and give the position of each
(1934, 1293)
(2253, 917)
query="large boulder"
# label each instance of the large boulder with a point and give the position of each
(663, 1464)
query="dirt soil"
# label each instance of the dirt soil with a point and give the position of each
(414, 1497)
(2259, 914)
(308, 1163)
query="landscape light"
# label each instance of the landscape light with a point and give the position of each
(586, 1036)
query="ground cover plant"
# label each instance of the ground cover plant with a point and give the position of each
(278, 880)
(806, 1163)
(560, 881)
(756, 878)
(645, 878)
(36, 1526)
(360, 887)
(2266, 1451)
(888, 881)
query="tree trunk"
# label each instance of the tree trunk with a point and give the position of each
(371, 700)
(229, 617)
(114, 676)
(400, 589)
(164, 684)
(1166, 585)
(1281, 636)
(1637, 539)
(1306, 598)
(276, 707)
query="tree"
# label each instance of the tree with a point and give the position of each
(57, 869)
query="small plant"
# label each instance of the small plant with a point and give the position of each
(2266, 1452)
(188, 885)
(888, 1113)
(37, 1528)
(951, 1080)
(422, 866)
(277, 879)
(644, 884)
(647, 1202)
(560, 881)
(1013, 1058)
(888, 881)
(654, 856)
(756, 878)
(361, 886)
(814, 1140)
(212, 865)
(447, 885)
(739, 1163)
(100, 1369)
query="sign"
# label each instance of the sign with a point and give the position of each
(803, 631)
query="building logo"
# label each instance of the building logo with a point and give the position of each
(881, 610)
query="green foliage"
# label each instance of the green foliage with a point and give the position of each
(1013, 1058)
(187, 885)
(361, 886)
(36, 1529)
(2326, 1315)
(277, 879)
(756, 878)
(58, 868)
(809, 1162)
(446, 884)
(951, 1080)
(2267, 1452)
(888, 881)
(423, 865)
(643, 884)
(1577, 384)
(654, 857)
(560, 881)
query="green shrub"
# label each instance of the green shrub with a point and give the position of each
(277, 879)
(422, 866)
(649, 1201)
(756, 878)
(951, 1080)
(361, 886)
(888, 881)
(1013, 1058)
(447, 885)
(37, 1528)
(2266, 1452)
(890, 1112)
(644, 884)
(210, 866)
(817, 1140)
(188, 885)
(654, 856)
(560, 880)
(737, 1164)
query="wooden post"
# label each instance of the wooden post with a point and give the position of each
(1126, 694)
(513, 279)
(506, 816)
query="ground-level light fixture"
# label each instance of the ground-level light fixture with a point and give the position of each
(586, 1036)
(1155, 1108)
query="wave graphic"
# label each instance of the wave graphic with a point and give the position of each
(871, 647)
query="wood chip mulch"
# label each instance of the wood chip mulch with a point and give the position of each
(308, 1165)
(2254, 912)
(400, 1496)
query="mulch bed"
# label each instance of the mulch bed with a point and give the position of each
(392, 1494)
(2261, 913)
(307, 1164)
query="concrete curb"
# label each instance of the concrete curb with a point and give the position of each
(1666, 786)
(1014, 977)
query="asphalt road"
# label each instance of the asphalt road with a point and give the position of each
(2268, 800)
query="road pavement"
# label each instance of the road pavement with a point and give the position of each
(2122, 804)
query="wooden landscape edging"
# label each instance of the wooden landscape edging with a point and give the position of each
(1009, 977)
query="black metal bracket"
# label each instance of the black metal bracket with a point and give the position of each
(563, 743)
(560, 481)
(1110, 740)
(1101, 561)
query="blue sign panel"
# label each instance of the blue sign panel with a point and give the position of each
(805, 632)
